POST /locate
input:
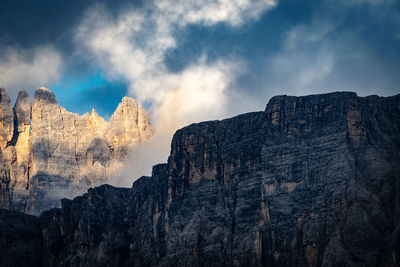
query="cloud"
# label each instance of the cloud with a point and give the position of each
(132, 47)
(29, 69)
(210, 12)
(140, 163)
(305, 60)
(199, 92)
(339, 48)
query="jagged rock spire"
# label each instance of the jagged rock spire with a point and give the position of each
(56, 153)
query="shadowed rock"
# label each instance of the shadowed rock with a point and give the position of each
(311, 181)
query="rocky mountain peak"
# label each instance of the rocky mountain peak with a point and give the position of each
(129, 124)
(45, 95)
(54, 153)
(128, 101)
(3, 93)
(22, 110)
(128, 108)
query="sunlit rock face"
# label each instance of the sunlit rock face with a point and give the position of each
(128, 126)
(6, 119)
(49, 153)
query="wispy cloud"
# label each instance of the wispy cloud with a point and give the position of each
(335, 50)
(304, 61)
(210, 12)
(28, 69)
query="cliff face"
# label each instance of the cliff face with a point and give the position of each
(49, 153)
(311, 181)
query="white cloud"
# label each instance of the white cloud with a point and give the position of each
(304, 60)
(28, 70)
(198, 93)
(210, 12)
(132, 47)
(326, 54)
(146, 155)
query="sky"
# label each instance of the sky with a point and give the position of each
(189, 60)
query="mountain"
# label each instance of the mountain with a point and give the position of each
(48, 153)
(310, 181)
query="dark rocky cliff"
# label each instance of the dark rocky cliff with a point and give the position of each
(312, 181)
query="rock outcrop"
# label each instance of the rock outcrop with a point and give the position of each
(21, 244)
(48, 153)
(311, 181)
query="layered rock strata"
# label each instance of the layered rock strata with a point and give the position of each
(311, 181)
(48, 153)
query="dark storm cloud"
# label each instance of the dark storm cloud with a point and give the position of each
(26, 23)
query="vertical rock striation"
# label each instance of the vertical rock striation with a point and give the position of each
(49, 153)
(6, 119)
(311, 181)
(6, 134)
